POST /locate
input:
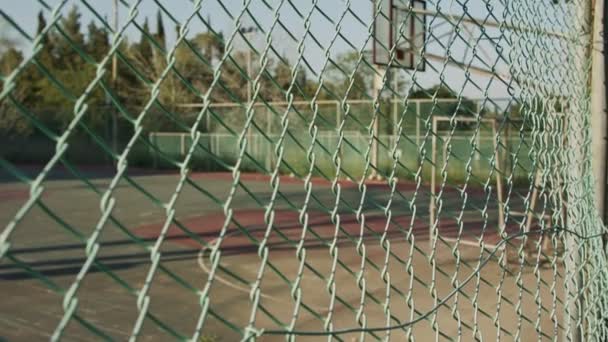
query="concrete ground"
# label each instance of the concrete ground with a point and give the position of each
(371, 272)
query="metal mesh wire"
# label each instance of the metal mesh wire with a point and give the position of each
(478, 229)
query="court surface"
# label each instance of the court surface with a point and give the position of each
(342, 260)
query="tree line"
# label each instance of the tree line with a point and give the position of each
(57, 76)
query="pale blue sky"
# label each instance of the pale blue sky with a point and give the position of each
(355, 29)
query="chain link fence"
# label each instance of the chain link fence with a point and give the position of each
(262, 178)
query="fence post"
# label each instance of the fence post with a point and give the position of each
(153, 150)
(217, 144)
(499, 170)
(377, 92)
(395, 110)
(338, 123)
(182, 144)
(418, 129)
(271, 142)
(433, 181)
(599, 128)
(337, 114)
(208, 121)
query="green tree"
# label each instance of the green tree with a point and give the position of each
(160, 30)
(144, 48)
(141, 58)
(128, 87)
(70, 72)
(25, 92)
(211, 44)
(10, 59)
(67, 46)
(194, 61)
(281, 73)
(466, 107)
(45, 56)
(345, 70)
(41, 23)
(437, 91)
(98, 43)
(12, 123)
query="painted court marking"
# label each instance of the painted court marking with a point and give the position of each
(252, 220)
(201, 263)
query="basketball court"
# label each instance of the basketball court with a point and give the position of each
(436, 210)
(299, 247)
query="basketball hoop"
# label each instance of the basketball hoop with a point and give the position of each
(400, 28)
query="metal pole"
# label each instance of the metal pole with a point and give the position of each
(114, 77)
(376, 91)
(395, 103)
(599, 128)
(337, 130)
(433, 181)
(418, 129)
(270, 143)
(246, 31)
(337, 115)
(153, 151)
(393, 140)
(499, 189)
(574, 284)
(249, 75)
(182, 148)
(115, 24)
(499, 170)
(605, 29)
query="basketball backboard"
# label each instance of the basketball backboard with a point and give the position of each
(400, 24)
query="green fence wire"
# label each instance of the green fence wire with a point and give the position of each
(253, 174)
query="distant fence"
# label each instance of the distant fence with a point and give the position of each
(220, 150)
(351, 115)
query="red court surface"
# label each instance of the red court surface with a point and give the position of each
(248, 228)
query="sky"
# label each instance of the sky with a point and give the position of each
(323, 39)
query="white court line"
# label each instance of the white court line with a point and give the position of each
(228, 283)
(201, 264)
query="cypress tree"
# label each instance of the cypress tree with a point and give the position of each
(144, 48)
(160, 30)
(41, 23)
(46, 54)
